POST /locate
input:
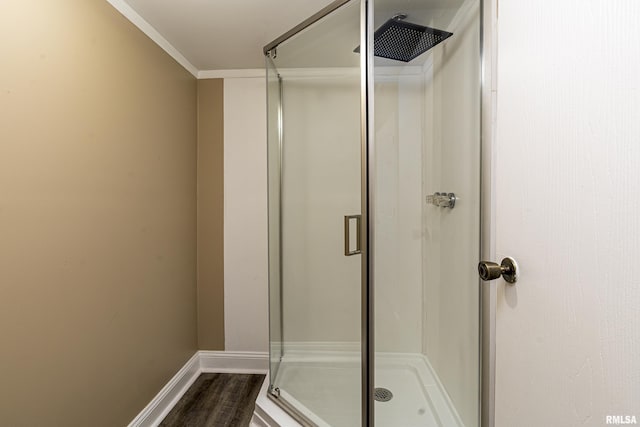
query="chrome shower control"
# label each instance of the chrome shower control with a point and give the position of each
(443, 200)
(508, 269)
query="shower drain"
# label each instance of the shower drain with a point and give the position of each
(382, 394)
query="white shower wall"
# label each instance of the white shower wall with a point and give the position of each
(322, 287)
(397, 213)
(451, 236)
(320, 184)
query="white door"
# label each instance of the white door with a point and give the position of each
(567, 209)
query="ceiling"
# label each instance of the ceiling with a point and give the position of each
(224, 34)
(208, 35)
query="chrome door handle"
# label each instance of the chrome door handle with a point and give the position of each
(508, 269)
(443, 200)
(347, 235)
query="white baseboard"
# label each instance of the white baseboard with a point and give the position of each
(238, 362)
(166, 399)
(202, 361)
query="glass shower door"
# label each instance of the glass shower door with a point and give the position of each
(422, 195)
(314, 150)
(426, 206)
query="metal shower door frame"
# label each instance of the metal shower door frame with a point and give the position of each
(304, 24)
(367, 311)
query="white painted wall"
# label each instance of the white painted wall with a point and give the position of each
(245, 215)
(568, 197)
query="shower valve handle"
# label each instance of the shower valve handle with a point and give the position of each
(508, 269)
(443, 200)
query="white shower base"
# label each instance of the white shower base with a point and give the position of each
(326, 386)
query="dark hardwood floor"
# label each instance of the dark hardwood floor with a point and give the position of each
(217, 400)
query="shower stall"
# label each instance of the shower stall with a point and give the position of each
(374, 144)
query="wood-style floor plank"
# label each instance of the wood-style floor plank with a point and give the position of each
(217, 400)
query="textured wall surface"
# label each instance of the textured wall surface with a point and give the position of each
(568, 132)
(97, 215)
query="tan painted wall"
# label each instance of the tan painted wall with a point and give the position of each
(97, 215)
(210, 214)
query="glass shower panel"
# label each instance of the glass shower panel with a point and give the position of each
(314, 102)
(426, 205)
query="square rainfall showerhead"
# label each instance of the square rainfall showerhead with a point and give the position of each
(404, 41)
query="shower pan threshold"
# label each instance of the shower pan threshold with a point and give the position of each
(326, 391)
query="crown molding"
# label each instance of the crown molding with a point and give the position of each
(224, 74)
(137, 20)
